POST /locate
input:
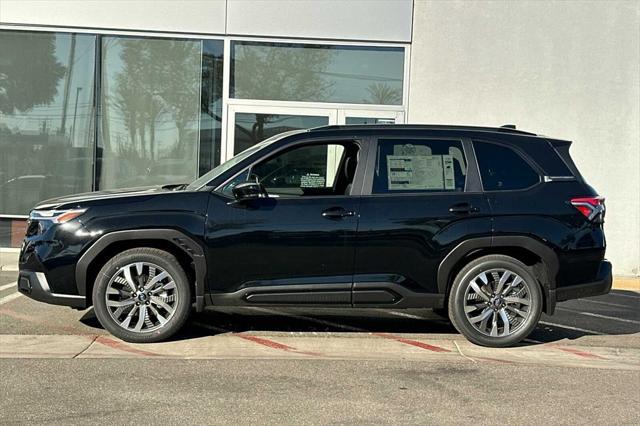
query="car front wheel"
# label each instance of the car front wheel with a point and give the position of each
(495, 301)
(142, 295)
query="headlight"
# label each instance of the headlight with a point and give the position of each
(56, 216)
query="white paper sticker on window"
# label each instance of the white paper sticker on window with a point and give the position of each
(409, 149)
(449, 176)
(312, 180)
(420, 172)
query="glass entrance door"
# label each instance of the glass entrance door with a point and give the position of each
(250, 124)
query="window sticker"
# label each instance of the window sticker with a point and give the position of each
(449, 176)
(312, 180)
(409, 149)
(420, 172)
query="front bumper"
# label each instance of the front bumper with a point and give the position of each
(35, 285)
(602, 285)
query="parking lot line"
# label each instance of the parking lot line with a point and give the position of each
(9, 298)
(6, 286)
(568, 327)
(632, 296)
(591, 314)
(617, 305)
(356, 329)
(306, 318)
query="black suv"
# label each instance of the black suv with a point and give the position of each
(491, 225)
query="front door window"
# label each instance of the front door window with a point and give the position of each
(311, 170)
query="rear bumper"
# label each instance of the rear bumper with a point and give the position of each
(35, 285)
(602, 285)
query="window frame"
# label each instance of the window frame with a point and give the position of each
(472, 181)
(535, 167)
(358, 179)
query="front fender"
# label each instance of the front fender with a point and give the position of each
(177, 238)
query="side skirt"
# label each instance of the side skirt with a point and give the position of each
(357, 295)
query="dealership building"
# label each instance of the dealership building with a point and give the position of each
(107, 94)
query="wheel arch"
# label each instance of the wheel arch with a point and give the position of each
(183, 247)
(528, 250)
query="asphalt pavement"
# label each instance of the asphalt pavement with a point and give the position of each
(311, 366)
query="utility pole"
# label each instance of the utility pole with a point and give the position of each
(75, 113)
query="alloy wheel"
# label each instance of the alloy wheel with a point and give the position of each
(141, 297)
(497, 302)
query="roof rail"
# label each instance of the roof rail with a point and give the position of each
(502, 129)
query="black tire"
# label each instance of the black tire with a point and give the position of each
(458, 300)
(181, 289)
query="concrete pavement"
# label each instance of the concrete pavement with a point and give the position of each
(285, 366)
(315, 392)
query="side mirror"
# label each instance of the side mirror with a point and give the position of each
(249, 191)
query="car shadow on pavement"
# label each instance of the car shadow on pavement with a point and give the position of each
(617, 313)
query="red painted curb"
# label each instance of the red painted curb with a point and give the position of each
(415, 343)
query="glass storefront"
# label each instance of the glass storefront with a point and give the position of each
(46, 117)
(157, 104)
(317, 73)
(150, 101)
(83, 112)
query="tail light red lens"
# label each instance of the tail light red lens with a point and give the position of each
(590, 207)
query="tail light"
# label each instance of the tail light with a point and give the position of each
(590, 207)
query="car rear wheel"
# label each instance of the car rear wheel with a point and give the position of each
(142, 295)
(495, 301)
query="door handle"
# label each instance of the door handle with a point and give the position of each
(463, 208)
(337, 213)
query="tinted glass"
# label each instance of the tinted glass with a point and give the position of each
(210, 105)
(317, 73)
(253, 128)
(46, 117)
(161, 109)
(501, 168)
(406, 165)
(305, 171)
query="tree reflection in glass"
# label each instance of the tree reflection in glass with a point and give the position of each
(46, 120)
(317, 73)
(151, 106)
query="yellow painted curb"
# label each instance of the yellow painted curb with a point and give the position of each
(626, 283)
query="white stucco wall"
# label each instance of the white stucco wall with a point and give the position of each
(569, 69)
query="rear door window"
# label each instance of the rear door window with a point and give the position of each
(419, 165)
(502, 169)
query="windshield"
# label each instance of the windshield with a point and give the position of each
(220, 169)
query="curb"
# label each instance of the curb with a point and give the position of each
(626, 283)
(8, 268)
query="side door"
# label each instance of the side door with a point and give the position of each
(421, 198)
(297, 245)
